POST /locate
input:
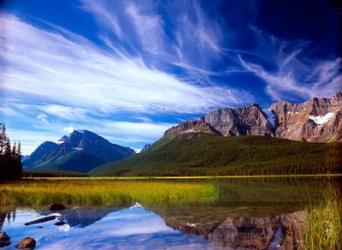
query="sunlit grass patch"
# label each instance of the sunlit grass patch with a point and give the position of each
(38, 193)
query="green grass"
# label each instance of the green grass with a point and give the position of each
(209, 155)
(99, 192)
(324, 229)
(106, 193)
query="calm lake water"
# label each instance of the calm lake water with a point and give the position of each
(247, 214)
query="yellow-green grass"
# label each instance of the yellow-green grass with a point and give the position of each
(111, 193)
(166, 192)
(324, 229)
(181, 177)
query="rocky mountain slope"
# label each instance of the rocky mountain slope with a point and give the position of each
(316, 120)
(80, 151)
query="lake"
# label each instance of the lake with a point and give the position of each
(239, 213)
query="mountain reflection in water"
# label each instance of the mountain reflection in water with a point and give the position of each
(258, 214)
(128, 228)
(138, 228)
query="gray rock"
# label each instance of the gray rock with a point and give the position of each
(250, 120)
(196, 126)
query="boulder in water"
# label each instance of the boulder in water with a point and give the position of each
(26, 243)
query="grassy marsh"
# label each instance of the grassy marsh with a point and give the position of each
(213, 199)
(105, 193)
(165, 192)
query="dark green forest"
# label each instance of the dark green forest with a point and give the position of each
(203, 154)
(10, 157)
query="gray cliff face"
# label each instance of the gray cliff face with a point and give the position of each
(316, 120)
(196, 126)
(250, 120)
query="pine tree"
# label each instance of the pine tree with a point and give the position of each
(10, 157)
(18, 168)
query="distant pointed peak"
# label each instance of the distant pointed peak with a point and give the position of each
(83, 131)
(62, 139)
(79, 132)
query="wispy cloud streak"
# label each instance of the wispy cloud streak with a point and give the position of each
(63, 68)
(290, 72)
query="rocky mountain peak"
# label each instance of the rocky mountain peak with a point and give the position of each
(249, 120)
(316, 120)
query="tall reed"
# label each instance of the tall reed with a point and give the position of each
(324, 229)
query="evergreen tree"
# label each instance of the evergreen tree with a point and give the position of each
(10, 157)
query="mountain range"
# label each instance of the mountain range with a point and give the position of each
(79, 152)
(290, 138)
(317, 120)
(287, 138)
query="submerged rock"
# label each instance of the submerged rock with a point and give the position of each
(41, 220)
(4, 239)
(26, 243)
(57, 207)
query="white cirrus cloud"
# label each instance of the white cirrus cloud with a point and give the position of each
(65, 112)
(294, 73)
(60, 68)
(43, 118)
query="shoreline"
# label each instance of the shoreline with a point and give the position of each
(182, 177)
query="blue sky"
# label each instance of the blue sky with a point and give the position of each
(128, 70)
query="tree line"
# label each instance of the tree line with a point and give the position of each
(10, 157)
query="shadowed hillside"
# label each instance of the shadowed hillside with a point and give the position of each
(204, 154)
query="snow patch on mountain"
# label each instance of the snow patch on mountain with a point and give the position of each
(321, 119)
